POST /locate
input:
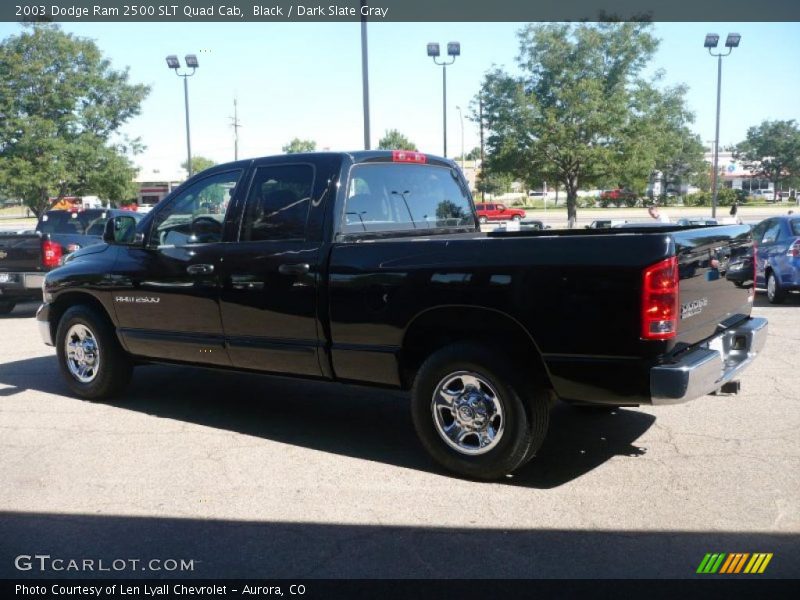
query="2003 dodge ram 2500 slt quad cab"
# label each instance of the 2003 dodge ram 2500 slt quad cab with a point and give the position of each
(370, 267)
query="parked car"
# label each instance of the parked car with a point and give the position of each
(533, 224)
(618, 196)
(75, 229)
(369, 267)
(491, 211)
(605, 223)
(696, 221)
(776, 243)
(768, 195)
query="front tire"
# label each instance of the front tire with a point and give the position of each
(89, 355)
(6, 307)
(483, 220)
(775, 294)
(474, 415)
(516, 218)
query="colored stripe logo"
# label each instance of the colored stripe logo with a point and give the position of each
(734, 563)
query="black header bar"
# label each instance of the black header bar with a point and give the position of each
(398, 10)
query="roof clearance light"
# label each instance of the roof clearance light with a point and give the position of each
(409, 157)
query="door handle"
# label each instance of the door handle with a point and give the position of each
(200, 269)
(294, 269)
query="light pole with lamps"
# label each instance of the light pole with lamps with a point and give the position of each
(453, 50)
(191, 63)
(461, 118)
(731, 42)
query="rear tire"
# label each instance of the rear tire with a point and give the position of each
(6, 307)
(775, 294)
(89, 355)
(482, 220)
(474, 415)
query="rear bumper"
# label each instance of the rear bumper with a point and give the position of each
(21, 285)
(706, 368)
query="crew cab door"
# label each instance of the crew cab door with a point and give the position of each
(166, 294)
(270, 275)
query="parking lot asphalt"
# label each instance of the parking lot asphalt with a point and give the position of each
(251, 476)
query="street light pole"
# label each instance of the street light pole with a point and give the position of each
(365, 76)
(191, 62)
(711, 41)
(453, 50)
(188, 134)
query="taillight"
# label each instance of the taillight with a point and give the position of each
(409, 156)
(794, 249)
(660, 300)
(51, 253)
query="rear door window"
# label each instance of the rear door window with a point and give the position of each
(405, 197)
(278, 203)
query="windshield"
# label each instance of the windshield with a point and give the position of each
(403, 197)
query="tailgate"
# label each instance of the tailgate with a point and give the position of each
(20, 253)
(708, 301)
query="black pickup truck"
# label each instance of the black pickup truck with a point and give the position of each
(370, 267)
(24, 260)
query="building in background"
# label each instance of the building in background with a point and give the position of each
(155, 185)
(733, 174)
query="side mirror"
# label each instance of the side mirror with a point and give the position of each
(121, 231)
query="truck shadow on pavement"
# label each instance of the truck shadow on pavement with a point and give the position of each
(229, 549)
(366, 423)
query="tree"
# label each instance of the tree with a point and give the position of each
(492, 182)
(298, 145)
(582, 113)
(473, 154)
(771, 150)
(61, 107)
(394, 140)
(199, 163)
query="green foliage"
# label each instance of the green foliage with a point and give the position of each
(394, 140)
(62, 105)
(771, 150)
(199, 163)
(582, 114)
(297, 145)
(491, 182)
(725, 197)
(473, 154)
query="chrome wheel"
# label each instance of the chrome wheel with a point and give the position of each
(771, 287)
(468, 413)
(82, 353)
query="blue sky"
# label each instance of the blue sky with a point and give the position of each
(304, 80)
